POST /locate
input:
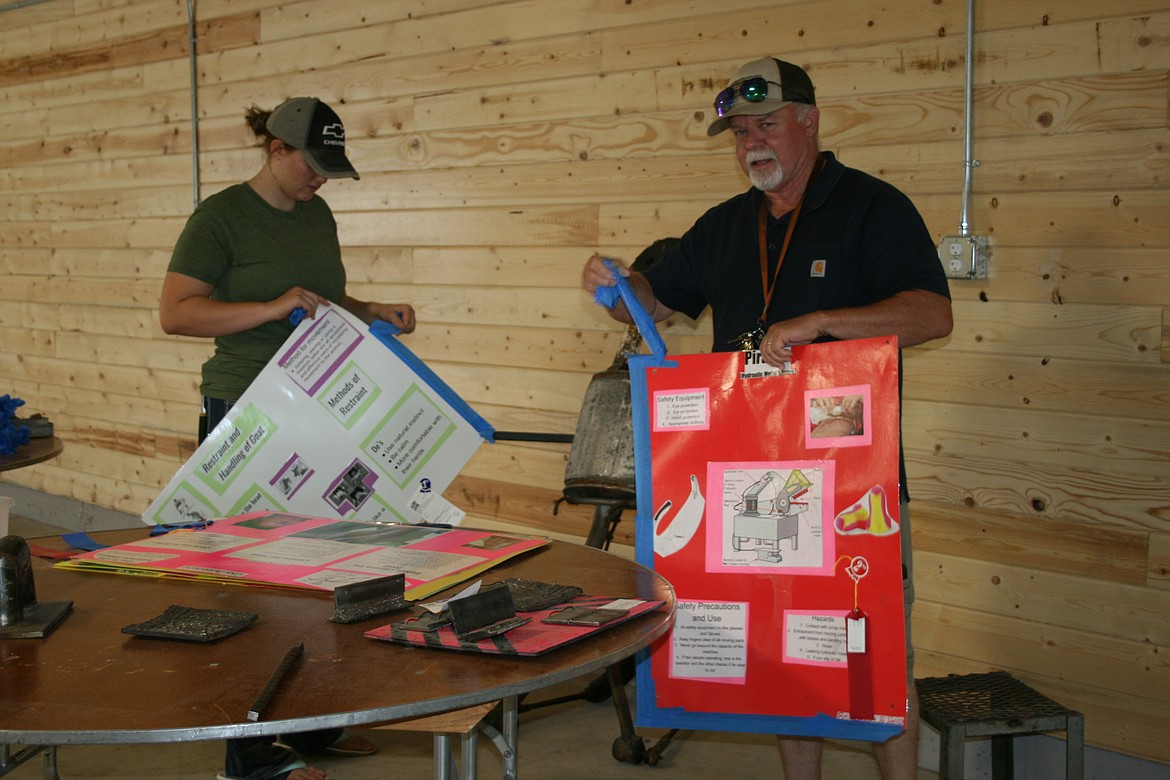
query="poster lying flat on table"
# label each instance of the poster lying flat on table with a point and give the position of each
(343, 422)
(770, 500)
(298, 551)
(534, 637)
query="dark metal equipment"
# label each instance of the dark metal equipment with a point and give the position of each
(21, 615)
(365, 599)
(600, 469)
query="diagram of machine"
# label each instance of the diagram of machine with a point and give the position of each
(764, 522)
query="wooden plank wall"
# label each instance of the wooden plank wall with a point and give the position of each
(501, 142)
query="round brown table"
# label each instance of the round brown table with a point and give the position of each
(35, 451)
(87, 682)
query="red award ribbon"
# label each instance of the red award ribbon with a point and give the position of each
(858, 658)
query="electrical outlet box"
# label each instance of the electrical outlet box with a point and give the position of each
(964, 257)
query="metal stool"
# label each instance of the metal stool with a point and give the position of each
(999, 706)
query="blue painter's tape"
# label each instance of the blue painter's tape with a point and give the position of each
(82, 541)
(608, 297)
(386, 332)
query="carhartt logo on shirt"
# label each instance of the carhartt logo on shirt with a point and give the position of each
(818, 269)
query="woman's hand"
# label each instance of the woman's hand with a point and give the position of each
(186, 308)
(400, 315)
(297, 298)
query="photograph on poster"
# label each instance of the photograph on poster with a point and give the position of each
(379, 534)
(838, 417)
(352, 488)
(187, 506)
(289, 478)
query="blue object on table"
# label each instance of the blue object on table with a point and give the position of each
(166, 528)
(82, 541)
(608, 297)
(12, 435)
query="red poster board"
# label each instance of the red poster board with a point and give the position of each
(771, 505)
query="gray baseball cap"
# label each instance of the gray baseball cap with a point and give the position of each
(760, 87)
(307, 124)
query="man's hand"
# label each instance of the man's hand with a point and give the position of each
(776, 348)
(913, 316)
(597, 274)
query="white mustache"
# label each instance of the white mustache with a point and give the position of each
(757, 156)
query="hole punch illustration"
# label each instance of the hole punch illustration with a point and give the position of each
(764, 530)
(678, 532)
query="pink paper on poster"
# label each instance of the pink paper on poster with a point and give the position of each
(300, 551)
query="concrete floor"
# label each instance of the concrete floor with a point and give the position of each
(567, 741)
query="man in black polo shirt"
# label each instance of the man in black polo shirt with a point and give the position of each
(814, 251)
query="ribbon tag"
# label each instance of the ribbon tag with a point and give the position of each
(855, 622)
(855, 633)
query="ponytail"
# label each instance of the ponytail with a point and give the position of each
(257, 120)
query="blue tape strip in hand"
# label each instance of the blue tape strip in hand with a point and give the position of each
(296, 316)
(608, 297)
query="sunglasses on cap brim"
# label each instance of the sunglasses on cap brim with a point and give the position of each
(753, 90)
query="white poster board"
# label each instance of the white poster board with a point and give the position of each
(344, 422)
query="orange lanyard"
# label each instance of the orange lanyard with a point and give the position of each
(763, 234)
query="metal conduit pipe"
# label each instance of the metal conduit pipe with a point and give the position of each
(20, 4)
(968, 163)
(191, 41)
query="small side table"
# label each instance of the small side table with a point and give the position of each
(466, 724)
(35, 451)
(999, 706)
